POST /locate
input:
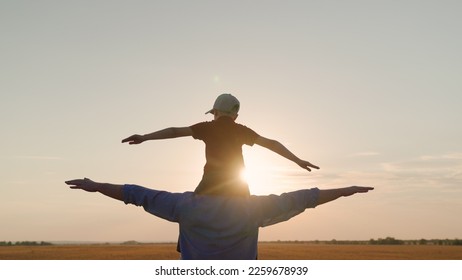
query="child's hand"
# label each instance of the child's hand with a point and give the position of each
(306, 165)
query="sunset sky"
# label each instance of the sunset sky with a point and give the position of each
(370, 91)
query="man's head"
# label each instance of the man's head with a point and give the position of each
(225, 105)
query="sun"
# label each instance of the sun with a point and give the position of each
(267, 173)
(254, 180)
(245, 175)
(261, 175)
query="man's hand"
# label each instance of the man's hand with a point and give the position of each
(83, 184)
(333, 194)
(134, 139)
(355, 189)
(306, 165)
(111, 190)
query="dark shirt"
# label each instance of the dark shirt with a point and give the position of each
(223, 140)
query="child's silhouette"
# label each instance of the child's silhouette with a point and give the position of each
(223, 139)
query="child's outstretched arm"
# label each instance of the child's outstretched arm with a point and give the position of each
(280, 149)
(171, 132)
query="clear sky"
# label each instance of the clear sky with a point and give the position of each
(370, 91)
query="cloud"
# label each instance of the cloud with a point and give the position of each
(365, 154)
(451, 156)
(424, 180)
(440, 165)
(438, 174)
(33, 157)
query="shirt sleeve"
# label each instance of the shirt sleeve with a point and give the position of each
(274, 209)
(249, 136)
(159, 203)
(198, 130)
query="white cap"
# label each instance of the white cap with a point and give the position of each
(226, 103)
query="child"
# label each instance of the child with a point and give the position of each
(223, 139)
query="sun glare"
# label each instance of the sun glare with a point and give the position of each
(255, 179)
(245, 175)
(262, 177)
(267, 173)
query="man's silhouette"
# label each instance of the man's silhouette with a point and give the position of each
(218, 227)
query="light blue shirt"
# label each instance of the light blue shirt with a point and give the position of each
(220, 227)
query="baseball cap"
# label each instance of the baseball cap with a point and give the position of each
(226, 103)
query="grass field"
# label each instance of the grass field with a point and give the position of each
(267, 251)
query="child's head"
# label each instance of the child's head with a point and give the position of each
(225, 105)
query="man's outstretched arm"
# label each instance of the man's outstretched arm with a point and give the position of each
(332, 194)
(279, 208)
(159, 203)
(280, 149)
(111, 190)
(167, 133)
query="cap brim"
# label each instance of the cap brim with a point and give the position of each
(209, 112)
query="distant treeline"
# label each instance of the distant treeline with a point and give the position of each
(380, 241)
(25, 243)
(393, 241)
(386, 241)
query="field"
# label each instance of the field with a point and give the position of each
(267, 251)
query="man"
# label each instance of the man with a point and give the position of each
(218, 227)
(223, 139)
